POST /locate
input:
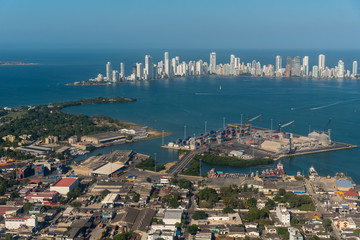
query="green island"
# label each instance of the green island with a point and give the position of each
(232, 161)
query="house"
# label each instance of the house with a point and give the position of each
(344, 185)
(351, 194)
(294, 234)
(236, 232)
(65, 185)
(283, 214)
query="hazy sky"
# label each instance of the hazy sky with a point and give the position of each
(264, 24)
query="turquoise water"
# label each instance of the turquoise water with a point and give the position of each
(170, 104)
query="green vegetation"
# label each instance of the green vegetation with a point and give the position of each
(149, 164)
(270, 204)
(251, 203)
(96, 100)
(314, 238)
(357, 231)
(27, 206)
(283, 232)
(228, 210)
(9, 236)
(294, 221)
(172, 200)
(255, 214)
(208, 197)
(125, 236)
(299, 178)
(75, 204)
(74, 194)
(301, 202)
(232, 161)
(192, 229)
(182, 183)
(327, 225)
(193, 170)
(199, 215)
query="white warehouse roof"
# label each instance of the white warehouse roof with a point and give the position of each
(107, 169)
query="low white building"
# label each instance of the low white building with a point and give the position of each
(164, 234)
(13, 223)
(110, 200)
(172, 216)
(283, 214)
(65, 185)
(294, 234)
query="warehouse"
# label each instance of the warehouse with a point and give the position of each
(65, 185)
(107, 169)
(104, 137)
(110, 200)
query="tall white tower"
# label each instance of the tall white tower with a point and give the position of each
(108, 72)
(149, 67)
(355, 68)
(167, 64)
(306, 65)
(213, 63)
(341, 69)
(321, 62)
(122, 70)
(278, 63)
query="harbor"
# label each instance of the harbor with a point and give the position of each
(247, 142)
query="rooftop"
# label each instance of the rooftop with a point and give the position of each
(65, 182)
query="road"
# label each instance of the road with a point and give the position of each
(184, 161)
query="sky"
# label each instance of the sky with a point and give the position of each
(182, 24)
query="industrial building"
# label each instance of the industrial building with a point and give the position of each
(110, 200)
(65, 185)
(104, 137)
(107, 170)
(35, 150)
(172, 216)
(13, 223)
(42, 197)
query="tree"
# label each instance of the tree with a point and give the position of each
(357, 231)
(178, 225)
(75, 204)
(208, 194)
(9, 236)
(27, 206)
(314, 238)
(192, 229)
(228, 210)
(251, 203)
(199, 215)
(282, 192)
(124, 235)
(270, 204)
(327, 224)
(104, 192)
(148, 179)
(294, 221)
(281, 230)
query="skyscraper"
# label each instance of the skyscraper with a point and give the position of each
(212, 63)
(315, 71)
(108, 72)
(306, 65)
(295, 67)
(341, 69)
(149, 67)
(115, 76)
(167, 64)
(139, 71)
(278, 63)
(355, 68)
(321, 62)
(122, 70)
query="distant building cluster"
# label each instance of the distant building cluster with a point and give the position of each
(168, 68)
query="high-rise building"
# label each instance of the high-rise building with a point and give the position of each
(321, 62)
(355, 68)
(139, 71)
(122, 70)
(213, 63)
(149, 67)
(115, 76)
(306, 65)
(341, 69)
(295, 67)
(278, 63)
(167, 64)
(315, 71)
(108, 72)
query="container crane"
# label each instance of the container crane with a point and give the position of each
(285, 125)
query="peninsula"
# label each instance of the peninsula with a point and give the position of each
(16, 63)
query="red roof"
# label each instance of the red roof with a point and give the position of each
(65, 182)
(4, 209)
(41, 195)
(351, 193)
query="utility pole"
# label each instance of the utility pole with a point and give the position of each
(205, 127)
(200, 167)
(224, 122)
(271, 128)
(184, 132)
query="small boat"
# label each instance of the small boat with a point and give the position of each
(220, 87)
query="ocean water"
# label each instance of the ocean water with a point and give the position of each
(171, 104)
